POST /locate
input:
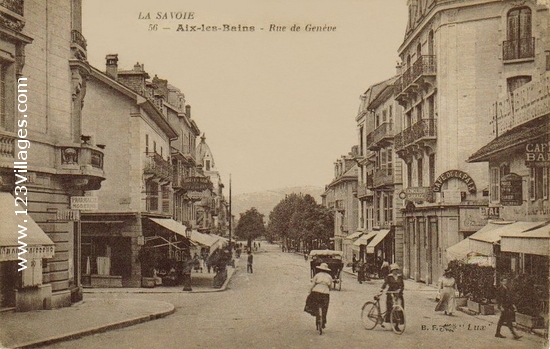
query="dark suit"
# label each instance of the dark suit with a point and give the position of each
(508, 314)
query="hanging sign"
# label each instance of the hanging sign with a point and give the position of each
(196, 183)
(511, 190)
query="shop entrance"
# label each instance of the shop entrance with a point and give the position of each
(9, 281)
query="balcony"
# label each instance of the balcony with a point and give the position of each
(156, 166)
(419, 76)
(421, 134)
(527, 103)
(381, 178)
(518, 49)
(78, 45)
(380, 137)
(81, 165)
(15, 6)
(363, 191)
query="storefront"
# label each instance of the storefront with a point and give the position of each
(24, 289)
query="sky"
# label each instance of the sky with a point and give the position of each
(277, 107)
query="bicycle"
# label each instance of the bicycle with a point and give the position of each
(372, 316)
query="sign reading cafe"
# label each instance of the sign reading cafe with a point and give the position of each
(463, 176)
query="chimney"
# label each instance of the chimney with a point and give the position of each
(188, 111)
(112, 65)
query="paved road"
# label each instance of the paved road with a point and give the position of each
(264, 310)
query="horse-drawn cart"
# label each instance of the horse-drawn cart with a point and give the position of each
(334, 262)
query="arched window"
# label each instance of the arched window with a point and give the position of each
(431, 43)
(520, 42)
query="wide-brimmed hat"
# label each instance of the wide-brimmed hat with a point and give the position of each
(394, 266)
(323, 266)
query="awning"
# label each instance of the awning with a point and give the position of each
(536, 241)
(12, 228)
(171, 225)
(377, 239)
(354, 235)
(364, 240)
(203, 239)
(483, 241)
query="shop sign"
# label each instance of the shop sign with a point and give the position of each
(511, 190)
(67, 215)
(461, 175)
(196, 183)
(84, 203)
(537, 154)
(490, 212)
(471, 219)
(418, 194)
(195, 195)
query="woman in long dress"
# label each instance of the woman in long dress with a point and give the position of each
(447, 288)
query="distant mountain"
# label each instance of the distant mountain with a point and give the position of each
(264, 201)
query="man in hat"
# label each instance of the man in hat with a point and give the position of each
(394, 282)
(319, 292)
(507, 309)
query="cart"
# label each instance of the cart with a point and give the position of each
(334, 262)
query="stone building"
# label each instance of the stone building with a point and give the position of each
(453, 54)
(43, 71)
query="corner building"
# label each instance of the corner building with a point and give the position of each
(452, 55)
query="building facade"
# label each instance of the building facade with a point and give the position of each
(452, 55)
(43, 64)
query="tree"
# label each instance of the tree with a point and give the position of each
(250, 226)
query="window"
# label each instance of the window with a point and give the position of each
(146, 144)
(152, 196)
(207, 165)
(537, 177)
(165, 199)
(409, 174)
(390, 114)
(419, 115)
(495, 184)
(383, 160)
(516, 82)
(519, 43)
(384, 116)
(431, 107)
(361, 141)
(388, 207)
(155, 147)
(389, 161)
(431, 165)
(420, 174)
(431, 43)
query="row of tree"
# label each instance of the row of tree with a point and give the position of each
(297, 221)
(300, 223)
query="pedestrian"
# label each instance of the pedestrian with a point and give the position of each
(249, 262)
(394, 282)
(360, 271)
(384, 269)
(353, 264)
(259, 245)
(507, 310)
(319, 292)
(447, 288)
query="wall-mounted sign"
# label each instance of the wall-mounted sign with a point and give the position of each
(84, 203)
(463, 176)
(490, 212)
(511, 190)
(452, 196)
(196, 183)
(418, 194)
(537, 154)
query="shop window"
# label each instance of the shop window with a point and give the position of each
(519, 43)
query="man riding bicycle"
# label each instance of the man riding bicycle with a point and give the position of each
(394, 282)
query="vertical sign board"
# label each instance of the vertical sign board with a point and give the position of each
(84, 203)
(511, 190)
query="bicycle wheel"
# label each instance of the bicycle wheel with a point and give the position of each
(397, 319)
(370, 315)
(319, 321)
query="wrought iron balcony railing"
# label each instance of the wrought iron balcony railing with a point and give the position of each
(518, 49)
(423, 129)
(424, 66)
(155, 165)
(382, 132)
(78, 39)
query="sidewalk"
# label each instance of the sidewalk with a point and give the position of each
(94, 314)
(411, 285)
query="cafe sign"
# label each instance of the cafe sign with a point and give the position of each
(537, 154)
(461, 175)
(511, 190)
(196, 183)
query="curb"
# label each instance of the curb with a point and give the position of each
(99, 329)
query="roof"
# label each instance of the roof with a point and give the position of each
(202, 150)
(511, 139)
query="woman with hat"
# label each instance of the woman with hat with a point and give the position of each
(447, 288)
(319, 292)
(394, 282)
